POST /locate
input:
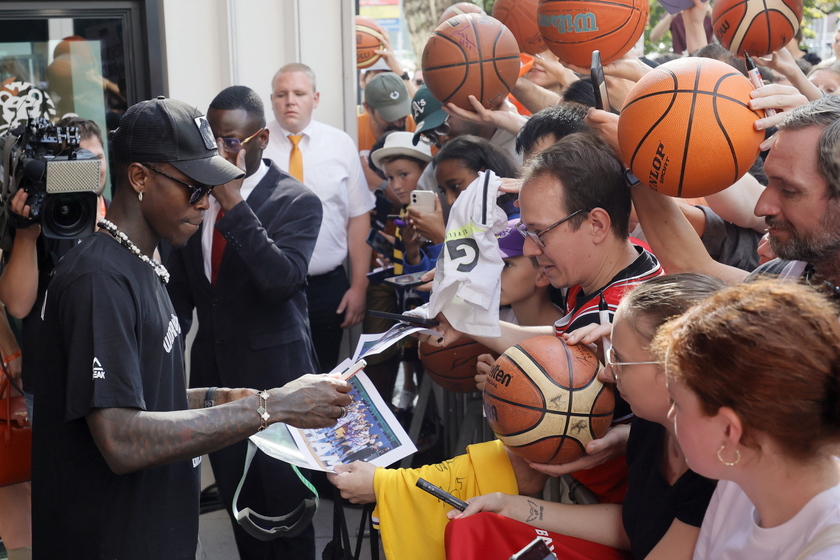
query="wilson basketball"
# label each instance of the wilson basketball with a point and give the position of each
(544, 401)
(759, 27)
(686, 128)
(572, 29)
(458, 9)
(520, 16)
(471, 54)
(369, 37)
(453, 367)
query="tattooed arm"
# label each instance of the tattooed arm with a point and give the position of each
(600, 523)
(131, 439)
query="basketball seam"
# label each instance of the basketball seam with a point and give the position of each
(480, 57)
(495, 59)
(655, 124)
(689, 125)
(445, 66)
(723, 129)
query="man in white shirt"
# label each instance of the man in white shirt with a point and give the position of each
(327, 161)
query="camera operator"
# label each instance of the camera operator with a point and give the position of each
(33, 258)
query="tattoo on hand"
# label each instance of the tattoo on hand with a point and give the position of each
(536, 512)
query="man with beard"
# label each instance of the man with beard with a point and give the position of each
(116, 435)
(387, 108)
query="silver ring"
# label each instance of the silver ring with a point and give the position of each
(343, 412)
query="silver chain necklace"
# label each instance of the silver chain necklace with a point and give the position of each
(123, 240)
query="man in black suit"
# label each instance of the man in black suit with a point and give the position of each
(245, 274)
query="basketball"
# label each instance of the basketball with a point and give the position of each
(572, 29)
(687, 129)
(520, 16)
(369, 37)
(453, 367)
(458, 9)
(759, 27)
(544, 401)
(471, 54)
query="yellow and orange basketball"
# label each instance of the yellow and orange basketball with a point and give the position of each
(686, 128)
(572, 29)
(544, 401)
(471, 54)
(369, 38)
(759, 27)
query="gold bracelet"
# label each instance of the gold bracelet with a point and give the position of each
(262, 410)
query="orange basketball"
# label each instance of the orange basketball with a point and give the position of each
(458, 9)
(686, 128)
(572, 29)
(544, 401)
(369, 37)
(453, 366)
(471, 54)
(759, 27)
(520, 16)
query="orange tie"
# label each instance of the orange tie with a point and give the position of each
(296, 158)
(217, 249)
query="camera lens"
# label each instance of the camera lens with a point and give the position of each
(69, 215)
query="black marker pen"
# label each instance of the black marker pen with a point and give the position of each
(442, 494)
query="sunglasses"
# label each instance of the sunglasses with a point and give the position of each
(196, 193)
(233, 145)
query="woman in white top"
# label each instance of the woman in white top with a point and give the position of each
(753, 373)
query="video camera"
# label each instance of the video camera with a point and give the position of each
(62, 179)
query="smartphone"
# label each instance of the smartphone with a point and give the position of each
(378, 275)
(406, 318)
(380, 243)
(407, 280)
(596, 74)
(423, 201)
(441, 494)
(536, 550)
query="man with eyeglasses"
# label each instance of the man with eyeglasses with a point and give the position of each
(575, 210)
(117, 437)
(245, 274)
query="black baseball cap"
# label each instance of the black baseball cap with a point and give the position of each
(171, 131)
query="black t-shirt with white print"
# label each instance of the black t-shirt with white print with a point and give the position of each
(109, 340)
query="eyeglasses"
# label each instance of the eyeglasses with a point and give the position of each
(197, 193)
(233, 145)
(614, 365)
(536, 236)
(431, 137)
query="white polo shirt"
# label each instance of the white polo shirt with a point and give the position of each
(331, 168)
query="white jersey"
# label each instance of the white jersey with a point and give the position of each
(467, 281)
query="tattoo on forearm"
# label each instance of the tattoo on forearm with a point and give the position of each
(536, 513)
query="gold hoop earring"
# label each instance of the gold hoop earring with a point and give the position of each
(140, 196)
(728, 464)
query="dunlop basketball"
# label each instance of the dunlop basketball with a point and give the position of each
(544, 401)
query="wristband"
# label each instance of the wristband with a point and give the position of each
(12, 357)
(209, 397)
(262, 411)
(405, 76)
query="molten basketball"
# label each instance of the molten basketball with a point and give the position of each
(572, 29)
(453, 367)
(520, 16)
(544, 401)
(458, 9)
(687, 129)
(369, 37)
(759, 27)
(471, 54)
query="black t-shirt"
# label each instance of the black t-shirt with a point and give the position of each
(651, 504)
(109, 339)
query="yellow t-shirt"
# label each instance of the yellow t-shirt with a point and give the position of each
(412, 522)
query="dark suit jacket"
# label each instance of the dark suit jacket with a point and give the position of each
(253, 329)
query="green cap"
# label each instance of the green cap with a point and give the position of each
(428, 112)
(387, 93)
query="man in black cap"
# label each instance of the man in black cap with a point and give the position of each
(117, 437)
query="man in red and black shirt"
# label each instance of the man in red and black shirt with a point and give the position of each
(575, 209)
